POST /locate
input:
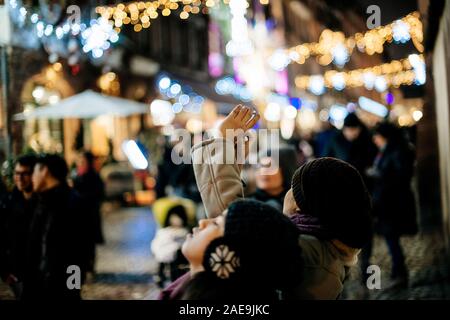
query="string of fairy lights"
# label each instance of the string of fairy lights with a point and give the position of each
(140, 14)
(393, 74)
(335, 47)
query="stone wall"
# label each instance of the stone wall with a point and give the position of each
(22, 65)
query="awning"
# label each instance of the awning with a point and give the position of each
(85, 105)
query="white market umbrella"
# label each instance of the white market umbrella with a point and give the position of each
(85, 105)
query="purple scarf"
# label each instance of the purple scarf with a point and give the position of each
(310, 225)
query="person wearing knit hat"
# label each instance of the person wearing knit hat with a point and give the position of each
(330, 205)
(352, 144)
(319, 189)
(393, 198)
(250, 252)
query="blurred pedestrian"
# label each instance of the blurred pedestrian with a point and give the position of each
(179, 177)
(352, 144)
(18, 209)
(322, 138)
(90, 187)
(393, 198)
(273, 176)
(57, 238)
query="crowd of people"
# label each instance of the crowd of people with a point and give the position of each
(49, 225)
(295, 236)
(305, 226)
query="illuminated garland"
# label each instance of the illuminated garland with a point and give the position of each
(139, 14)
(60, 35)
(334, 47)
(395, 73)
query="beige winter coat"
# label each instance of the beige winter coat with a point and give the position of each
(326, 262)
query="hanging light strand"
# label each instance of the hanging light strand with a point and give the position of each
(140, 14)
(407, 71)
(335, 47)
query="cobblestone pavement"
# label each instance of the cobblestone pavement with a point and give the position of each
(125, 267)
(428, 265)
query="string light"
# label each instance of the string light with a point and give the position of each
(334, 47)
(393, 74)
(133, 12)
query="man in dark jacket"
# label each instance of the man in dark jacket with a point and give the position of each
(56, 242)
(18, 209)
(353, 145)
(392, 196)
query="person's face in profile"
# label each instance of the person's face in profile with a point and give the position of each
(39, 175)
(196, 243)
(290, 206)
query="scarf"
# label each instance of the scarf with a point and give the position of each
(310, 225)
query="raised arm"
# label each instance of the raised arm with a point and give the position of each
(217, 171)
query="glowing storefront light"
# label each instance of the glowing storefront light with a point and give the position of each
(134, 155)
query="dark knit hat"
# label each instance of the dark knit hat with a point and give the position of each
(334, 192)
(259, 244)
(387, 130)
(352, 120)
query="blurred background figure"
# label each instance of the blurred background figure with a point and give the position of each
(352, 144)
(57, 238)
(166, 246)
(322, 138)
(17, 213)
(272, 185)
(90, 186)
(177, 180)
(393, 199)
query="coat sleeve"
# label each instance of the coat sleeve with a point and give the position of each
(217, 174)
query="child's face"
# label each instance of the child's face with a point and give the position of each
(196, 243)
(175, 221)
(289, 205)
